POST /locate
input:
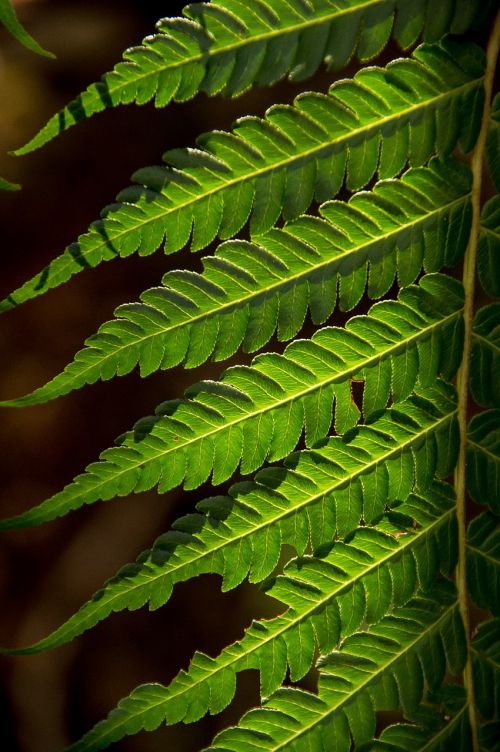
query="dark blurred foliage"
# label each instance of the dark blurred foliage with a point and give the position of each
(46, 573)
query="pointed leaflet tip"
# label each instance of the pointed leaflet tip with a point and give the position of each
(6, 185)
(9, 19)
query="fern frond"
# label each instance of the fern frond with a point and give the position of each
(483, 561)
(340, 445)
(266, 168)
(259, 412)
(485, 359)
(486, 667)
(489, 243)
(377, 568)
(249, 290)
(483, 459)
(379, 668)
(229, 46)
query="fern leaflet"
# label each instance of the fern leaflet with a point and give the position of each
(259, 412)
(272, 167)
(486, 662)
(228, 46)
(493, 143)
(442, 725)
(228, 534)
(369, 667)
(11, 22)
(6, 185)
(250, 289)
(488, 247)
(485, 360)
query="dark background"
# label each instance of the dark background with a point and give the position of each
(47, 573)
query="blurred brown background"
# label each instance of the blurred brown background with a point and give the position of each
(46, 573)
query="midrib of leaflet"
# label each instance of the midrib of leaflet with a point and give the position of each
(248, 415)
(337, 590)
(252, 295)
(483, 449)
(371, 677)
(486, 342)
(189, 688)
(194, 198)
(243, 42)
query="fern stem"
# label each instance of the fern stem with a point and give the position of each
(469, 273)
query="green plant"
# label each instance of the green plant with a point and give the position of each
(8, 18)
(380, 589)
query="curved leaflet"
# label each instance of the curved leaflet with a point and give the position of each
(11, 22)
(229, 45)
(368, 667)
(248, 290)
(258, 413)
(241, 535)
(380, 120)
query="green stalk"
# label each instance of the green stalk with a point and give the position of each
(469, 275)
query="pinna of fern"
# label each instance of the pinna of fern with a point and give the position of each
(241, 534)
(228, 46)
(250, 289)
(376, 595)
(369, 669)
(378, 121)
(259, 412)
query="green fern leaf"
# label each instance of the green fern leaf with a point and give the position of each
(369, 665)
(9, 19)
(485, 359)
(347, 438)
(368, 668)
(266, 168)
(489, 241)
(249, 290)
(486, 667)
(259, 412)
(374, 570)
(228, 46)
(483, 459)
(483, 562)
